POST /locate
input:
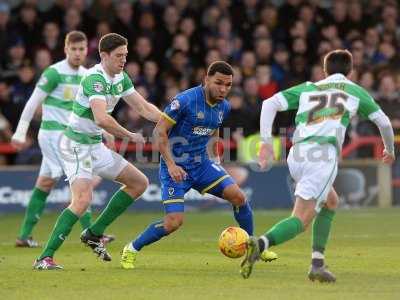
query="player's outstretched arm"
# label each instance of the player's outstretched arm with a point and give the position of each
(160, 135)
(268, 112)
(143, 107)
(109, 124)
(19, 138)
(386, 131)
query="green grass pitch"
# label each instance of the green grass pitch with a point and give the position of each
(364, 253)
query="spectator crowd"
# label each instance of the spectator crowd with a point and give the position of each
(272, 45)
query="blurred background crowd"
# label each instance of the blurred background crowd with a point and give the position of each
(272, 45)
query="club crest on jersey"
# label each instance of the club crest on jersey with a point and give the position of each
(119, 88)
(171, 191)
(200, 115)
(98, 87)
(220, 117)
(175, 104)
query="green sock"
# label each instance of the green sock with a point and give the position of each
(285, 230)
(63, 227)
(118, 204)
(33, 212)
(321, 229)
(86, 219)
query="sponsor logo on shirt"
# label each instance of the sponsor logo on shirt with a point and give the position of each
(200, 130)
(68, 93)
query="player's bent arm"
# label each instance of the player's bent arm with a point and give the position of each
(107, 122)
(385, 128)
(37, 97)
(213, 150)
(160, 134)
(143, 107)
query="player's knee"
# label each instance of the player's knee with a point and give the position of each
(79, 208)
(80, 202)
(238, 199)
(332, 201)
(137, 187)
(172, 222)
(45, 184)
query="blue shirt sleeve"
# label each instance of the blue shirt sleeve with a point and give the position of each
(176, 109)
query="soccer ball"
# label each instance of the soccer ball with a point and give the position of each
(232, 242)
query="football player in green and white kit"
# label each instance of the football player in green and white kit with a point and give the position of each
(324, 110)
(55, 91)
(84, 155)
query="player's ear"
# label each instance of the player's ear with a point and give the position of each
(103, 55)
(206, 79)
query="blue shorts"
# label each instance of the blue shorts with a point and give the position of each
(207, 178)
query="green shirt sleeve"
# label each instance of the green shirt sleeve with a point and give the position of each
(367, 104)
(94, 86)
(292, 95)
(127, 85)
(49, 80)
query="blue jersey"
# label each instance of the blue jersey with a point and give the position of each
(195, 121)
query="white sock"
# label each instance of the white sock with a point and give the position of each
(266, 241)
(130, 247)
(317, 255)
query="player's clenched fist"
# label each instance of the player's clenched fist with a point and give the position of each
(388, 158)
(266, 155)
(177, 173)
(137, 138)
(19, 142)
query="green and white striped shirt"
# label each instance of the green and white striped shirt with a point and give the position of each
(61, 82)
(324, 108)
(96, 84)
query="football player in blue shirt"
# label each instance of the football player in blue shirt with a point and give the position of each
(191, 119)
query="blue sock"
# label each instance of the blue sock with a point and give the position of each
(152, 234)
(244, 216)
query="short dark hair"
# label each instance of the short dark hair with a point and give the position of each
(220, 67)
(111, 41)
(75, 37)
(338, 61)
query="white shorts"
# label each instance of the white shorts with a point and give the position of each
(85, 161)
(51, 162)
(314, 168)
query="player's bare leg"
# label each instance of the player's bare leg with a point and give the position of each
(321, 229)
(34, 211)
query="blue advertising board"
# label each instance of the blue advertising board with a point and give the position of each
(356, 185)
(265, 190)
